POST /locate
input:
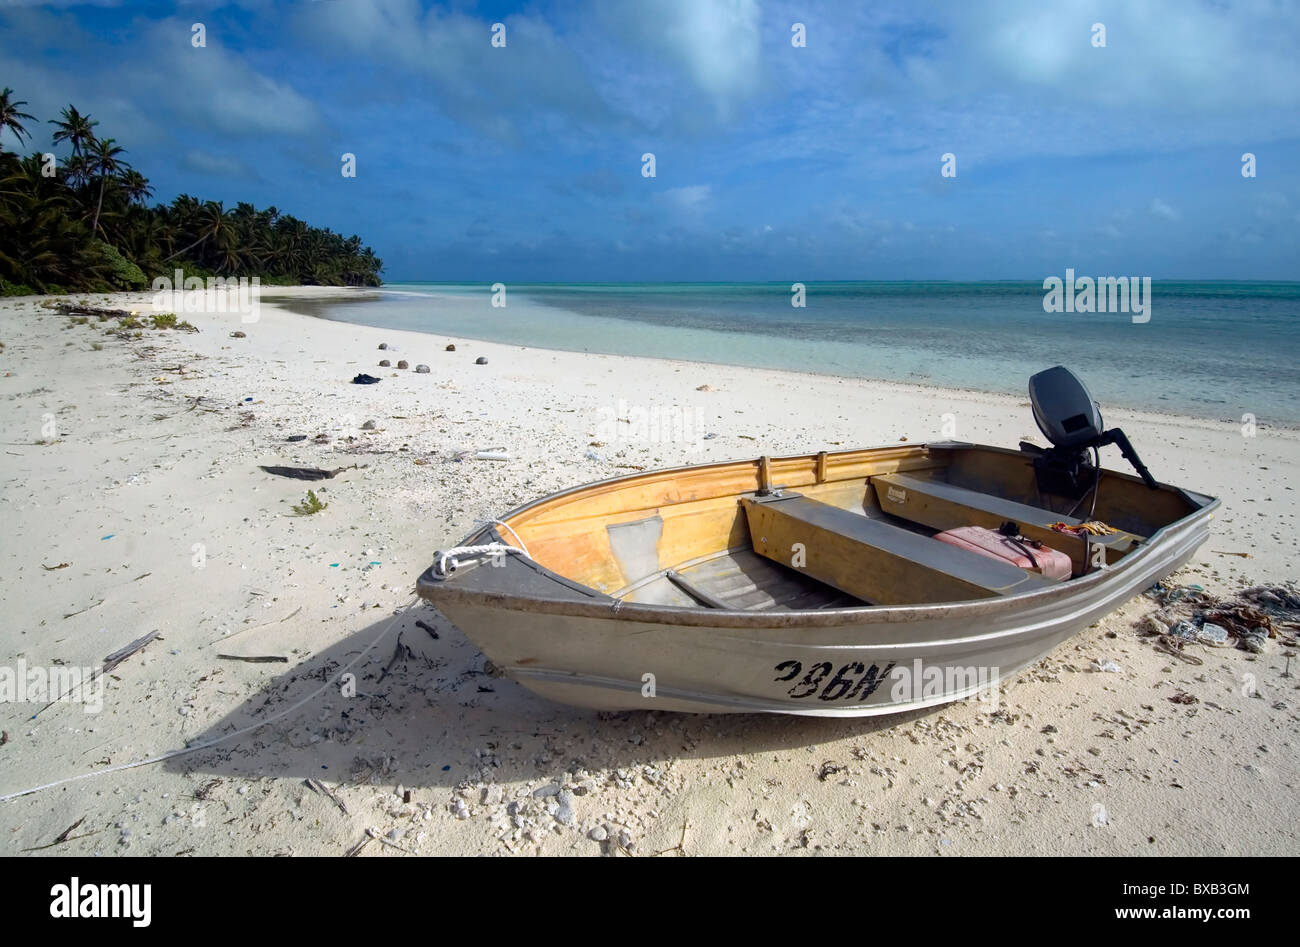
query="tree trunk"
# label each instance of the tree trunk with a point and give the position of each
(98, 207)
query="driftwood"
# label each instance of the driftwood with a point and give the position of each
(256, 658)
(120, 655)
(317, 786)
(71, 310)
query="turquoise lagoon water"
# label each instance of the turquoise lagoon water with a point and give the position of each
(1210, 349)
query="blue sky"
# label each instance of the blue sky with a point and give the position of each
(523, 163)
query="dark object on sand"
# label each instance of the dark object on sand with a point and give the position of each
(403, 364)
(255, 658)
(120, 655)
(238, 335)
(364, 379)
(422, 369)
(385, 363)
(71, 310)
(293, 438)
(451, 348)
(306, 473)
(481, 360)
(383, 346)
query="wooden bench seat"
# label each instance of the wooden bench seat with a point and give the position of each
(942, 506)
(872, 559)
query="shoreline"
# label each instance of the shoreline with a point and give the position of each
(135, 503)
(902, 386)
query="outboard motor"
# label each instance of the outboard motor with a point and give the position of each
(1071, 420)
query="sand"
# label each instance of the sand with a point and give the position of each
(136, 463)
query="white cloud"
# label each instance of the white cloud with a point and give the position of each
(1160, 209)
(690, 198)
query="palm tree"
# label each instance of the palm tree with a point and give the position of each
(135, 186)
(104, 160)
(215, 224)
(76, 129)
(11, 118)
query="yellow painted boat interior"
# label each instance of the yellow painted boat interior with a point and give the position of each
(682, 537)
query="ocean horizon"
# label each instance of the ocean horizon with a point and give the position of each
(1217, 349)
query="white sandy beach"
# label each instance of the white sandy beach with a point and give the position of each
(136, 463)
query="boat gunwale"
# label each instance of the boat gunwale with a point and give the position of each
(433, 588)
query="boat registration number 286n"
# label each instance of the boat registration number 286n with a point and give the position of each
(853, 681)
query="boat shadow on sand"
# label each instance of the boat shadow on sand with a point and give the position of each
(423, 712)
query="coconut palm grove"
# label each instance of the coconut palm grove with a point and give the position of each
(84, 224)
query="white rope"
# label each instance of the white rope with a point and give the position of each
(449, 556)
(448, 560)
(207, 744)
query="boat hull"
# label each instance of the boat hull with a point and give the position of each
(611, 655)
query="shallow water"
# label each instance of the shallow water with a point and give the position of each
(1211, 349)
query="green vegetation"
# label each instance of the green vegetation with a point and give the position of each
(83, 225)
(310, 505)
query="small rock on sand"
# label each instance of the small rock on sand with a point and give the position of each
(403, 364)
(481, 360)
(369, 426)
(383, 346)
(384, 363)
(451, 348)
(422, 369)
(238, 335)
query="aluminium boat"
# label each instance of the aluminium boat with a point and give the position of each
(825, 583)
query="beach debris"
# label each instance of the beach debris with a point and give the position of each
(1151, 625)
(705, 387)
(1174, 646)
(427, 627)
(1256, 642)
(84, 610)
(237, 334)
(121, 654)
(383, 346)
(61, 565)
(1184, 631)
(69, 309)
(294, 438)
(450, 347)
(492, 453)
(403, 364)
(422, 369)
(828, 769)
(364, 379)
(311, 504)
(315, 785)
(1105, 665)
(1182, 697)
(356, 849)
(256, 658)
(1212, 634)
(385, 363)
(307, 473)
(64, 836)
